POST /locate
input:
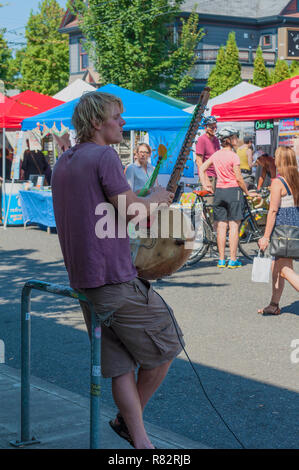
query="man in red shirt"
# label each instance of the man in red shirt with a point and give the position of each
(206, 145)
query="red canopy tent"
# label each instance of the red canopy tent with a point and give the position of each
(14, 110)
(273, 102)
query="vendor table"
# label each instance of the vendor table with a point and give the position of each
(37, 207)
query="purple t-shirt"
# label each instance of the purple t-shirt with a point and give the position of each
(206, 147)
(83, 177)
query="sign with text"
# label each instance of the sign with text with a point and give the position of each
(288, 133)
(264, 125)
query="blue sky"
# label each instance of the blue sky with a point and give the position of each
(14, 16)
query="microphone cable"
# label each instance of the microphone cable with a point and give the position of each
(199, 379)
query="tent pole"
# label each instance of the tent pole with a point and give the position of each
(20, 142)
(3, 174)
(132, 141)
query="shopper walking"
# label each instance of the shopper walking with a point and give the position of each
(283, 210)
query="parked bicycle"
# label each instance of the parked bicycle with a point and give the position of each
(251, 228)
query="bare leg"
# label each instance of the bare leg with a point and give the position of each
(282, 269)
(149, 381)
(288, 273)
(233, 238)
(221, 238)
(131, 398)
(277, 281)
(127, 399)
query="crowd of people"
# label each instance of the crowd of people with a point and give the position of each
(233, 165)
(227, 169)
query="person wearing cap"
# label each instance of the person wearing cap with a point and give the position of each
(206, 145)
(245, 153)
(228, 200)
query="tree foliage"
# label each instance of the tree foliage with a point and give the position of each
(6, 74)
(132, 43)
(227, 71)
(294, 68)
(217, 77)
(261, 76)
(232, 66)
(45, 60)
(281, 71)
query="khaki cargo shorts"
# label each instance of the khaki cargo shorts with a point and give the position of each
(140, 331)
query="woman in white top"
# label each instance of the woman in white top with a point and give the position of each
(283, 210)
(140, 171)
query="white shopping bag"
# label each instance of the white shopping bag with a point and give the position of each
(261, 268)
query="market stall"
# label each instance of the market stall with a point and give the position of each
(267, 108)
(12, 112)
(165, 124)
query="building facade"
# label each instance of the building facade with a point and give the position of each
(272, 24)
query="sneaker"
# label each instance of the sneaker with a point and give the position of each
(221, 263)
(234, 264)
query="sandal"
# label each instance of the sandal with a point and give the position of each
(121, 428)
(271, 309)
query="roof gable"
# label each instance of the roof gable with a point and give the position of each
(68, 17)
(239, 8)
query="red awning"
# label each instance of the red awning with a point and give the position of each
(29, 103)
(273, 102)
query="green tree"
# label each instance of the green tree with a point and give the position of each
(261, 76)
(182, 59)
(132, 43)
(227, 71)
(217, 77)
(45, 62)
(232, 65)
(281, 72)
(294, 68)
(5, 58)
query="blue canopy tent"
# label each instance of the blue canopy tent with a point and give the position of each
(165, 124)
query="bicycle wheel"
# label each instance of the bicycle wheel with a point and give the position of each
(251, 230)
(198, 253)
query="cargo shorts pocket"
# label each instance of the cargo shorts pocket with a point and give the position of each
(165, 337)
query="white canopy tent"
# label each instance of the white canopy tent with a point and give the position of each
(238, 91)
(74, 90)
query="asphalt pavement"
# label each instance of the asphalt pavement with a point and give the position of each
(241, 387)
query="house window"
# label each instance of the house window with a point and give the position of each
(267, 40)
(83, 57)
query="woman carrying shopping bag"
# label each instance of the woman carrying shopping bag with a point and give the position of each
(283, 217)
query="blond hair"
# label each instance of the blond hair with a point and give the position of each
(287, 167)
(92, 107)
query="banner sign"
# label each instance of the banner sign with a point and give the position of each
(288, 133)
(172, 140)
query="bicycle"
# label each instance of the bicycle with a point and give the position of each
(253, 225)
(251, 228)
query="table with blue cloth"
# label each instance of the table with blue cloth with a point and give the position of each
(37, 207)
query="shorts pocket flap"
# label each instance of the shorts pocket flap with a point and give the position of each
(164, 336)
